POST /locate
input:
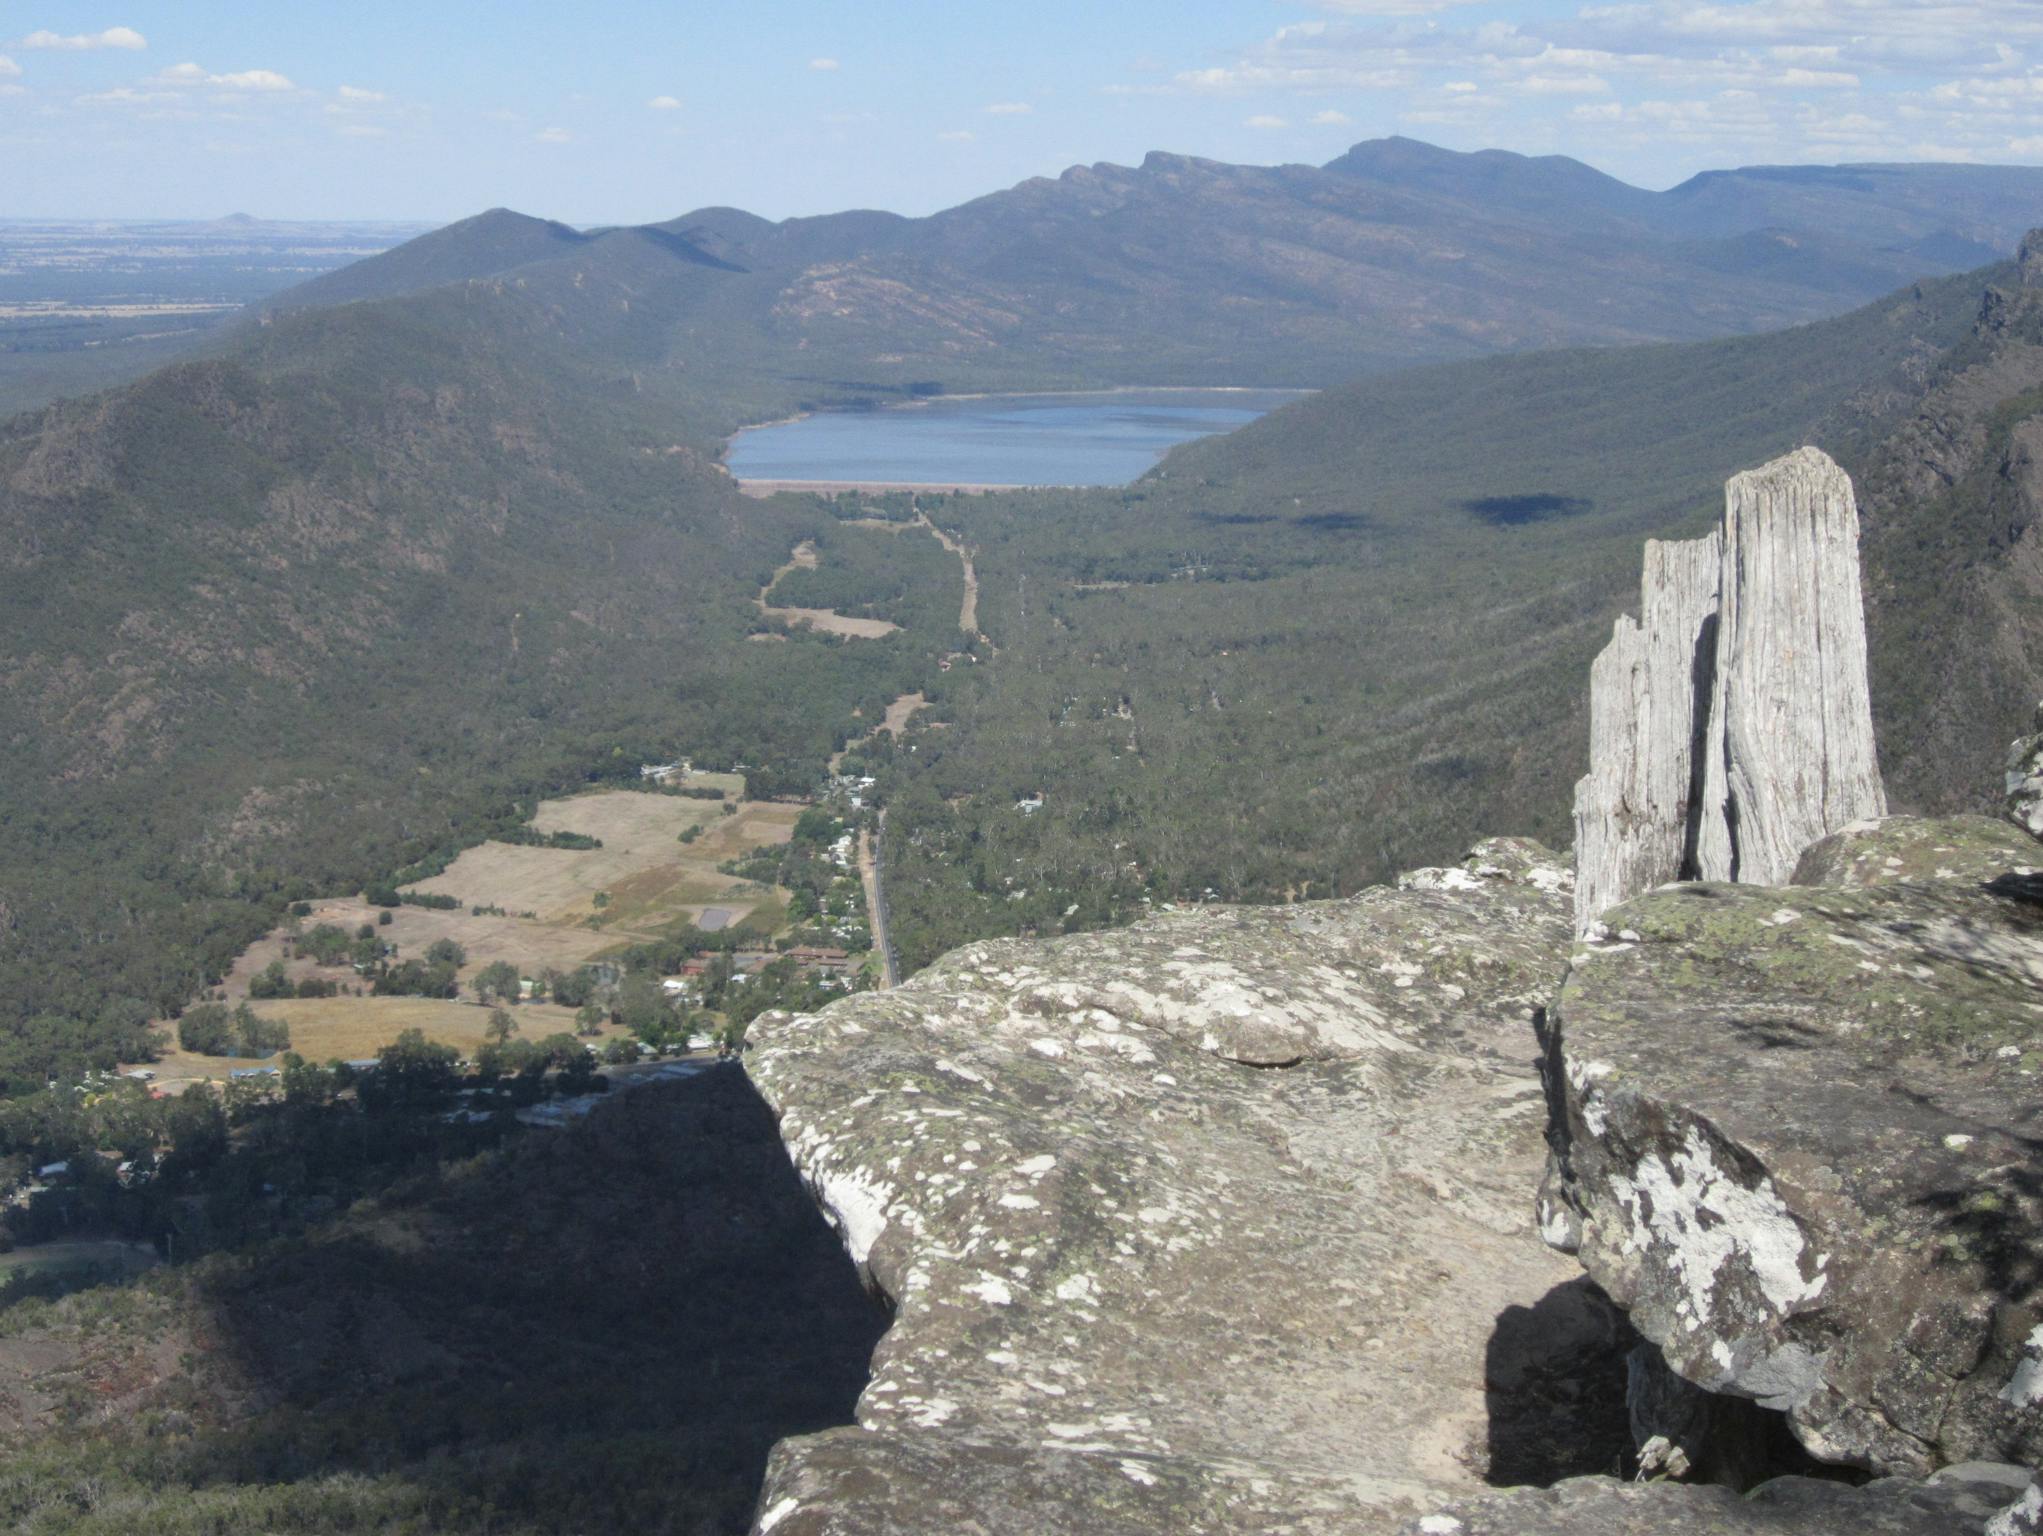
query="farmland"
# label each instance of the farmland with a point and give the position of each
(535, 908)
(641, 881)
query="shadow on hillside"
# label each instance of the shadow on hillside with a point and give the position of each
(606, 1328)
(1533, 507)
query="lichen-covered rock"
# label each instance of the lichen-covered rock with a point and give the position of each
(1907, 848)
(1946, 1505)
(2025, 780)
(1797, 1138)
(1212, 1224)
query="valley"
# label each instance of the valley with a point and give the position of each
(424, 701)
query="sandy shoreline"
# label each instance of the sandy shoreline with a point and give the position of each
(764, 488)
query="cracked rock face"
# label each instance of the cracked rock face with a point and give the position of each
(1216, 1223)
(1797, 1138)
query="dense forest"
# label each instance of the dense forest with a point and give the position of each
(1352, 637)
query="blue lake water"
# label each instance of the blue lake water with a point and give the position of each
(1063, 439)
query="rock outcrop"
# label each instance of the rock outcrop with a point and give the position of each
(1649, 694)
(1220, 1222)
(1909, 848)
(1217, 1223)
(1797, 1139)
(1732, 725)
(2025, 780)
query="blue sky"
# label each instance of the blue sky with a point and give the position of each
(616, 110)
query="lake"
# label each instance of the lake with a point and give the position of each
(1105, 438)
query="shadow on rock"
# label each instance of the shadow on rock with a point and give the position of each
(1554, 1380)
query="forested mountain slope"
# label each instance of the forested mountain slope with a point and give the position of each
(1183, 270)
(1351, 636)
(290, 618)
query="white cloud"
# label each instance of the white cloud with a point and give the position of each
(1009, 109)
(253, 80)
(112, 37)
(554, 136)
(824, 64)
(8, 68)
(357, 93)
(1564, 85)
(1818, 79)
(957, 136)
(1264, 120)
(363, 131)
(665, 104)
(1331, 119)
(126, 96)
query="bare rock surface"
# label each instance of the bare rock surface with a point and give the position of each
(1901, 848)
(1788, 1506)
(1798, 1136)
(1732, 725)
(1217, 1223)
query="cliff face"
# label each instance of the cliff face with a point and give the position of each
(1952, 502)
(1731, 726)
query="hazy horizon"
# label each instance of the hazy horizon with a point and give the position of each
(627, 113)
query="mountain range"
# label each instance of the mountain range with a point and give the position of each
(1182, 270)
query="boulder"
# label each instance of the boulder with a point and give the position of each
(1796, 1136)
(1947, 1505)
(2025, 780)
(1211, 1224)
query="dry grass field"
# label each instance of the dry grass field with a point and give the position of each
(356, 1028)
(649, 876)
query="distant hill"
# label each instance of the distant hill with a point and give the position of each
(483, 246)
(1183, 270)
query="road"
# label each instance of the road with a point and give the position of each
(876, 901)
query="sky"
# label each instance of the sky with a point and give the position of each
(628, 110)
